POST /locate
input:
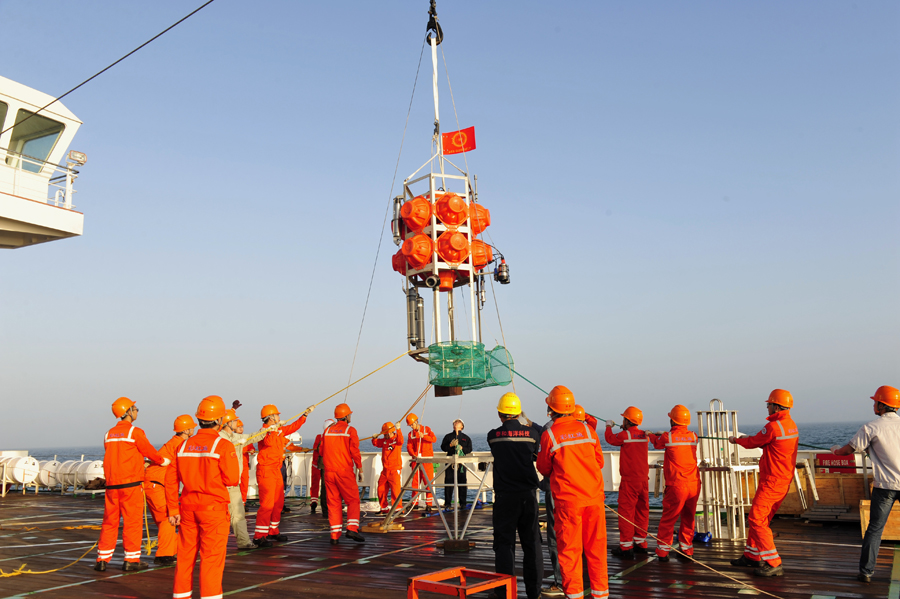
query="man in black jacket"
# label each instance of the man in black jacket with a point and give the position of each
(456, 443)
(514, 446)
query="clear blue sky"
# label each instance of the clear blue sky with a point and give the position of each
(696, 200)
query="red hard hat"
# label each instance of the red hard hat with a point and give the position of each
(782, 398)
(578, 414)
(634, 415)
(680, 415)
(411, 418)
(342, 410)
(267, 411)
(184, 423)
(211, 408)
(889, 396)
(561, 400)
(229, 416)
(121, 405)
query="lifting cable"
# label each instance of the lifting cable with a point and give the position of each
(384, 222)
(422, 395)
(95, 75)
(690, 557)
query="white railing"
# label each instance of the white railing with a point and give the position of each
(52, 183)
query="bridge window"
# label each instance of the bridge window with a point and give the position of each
(35, 138)
(3, 108)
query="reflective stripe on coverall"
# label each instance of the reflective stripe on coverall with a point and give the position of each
(682, 488)
(420, 444)
(125, 447)
(206, 464)
(268, 479)
(779, 440)
(391, 463)
(573, 459)
(155, 494)
(634, 488)
(340, 453)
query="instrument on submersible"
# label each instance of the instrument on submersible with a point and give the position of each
(436, 223)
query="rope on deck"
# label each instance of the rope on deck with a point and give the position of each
(21, 569)
(690, 557)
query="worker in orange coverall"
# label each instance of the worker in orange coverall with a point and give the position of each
(340, 454)
(581, 416)
(125, 447)
(682, 483)
(155, 492)
(571, 456)
(318, 490)
(420, 443)
(248, 450)
(779, 440)
(206, 465)
(634, 488)
(391, 444)
(268, 474)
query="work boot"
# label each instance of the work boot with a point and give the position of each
(685, 557)
(623, 553)
(312, 507)
(767, 570)
(134, 566)
(662, 558)
(428, 509)
(638, 550)
(100, 566)
(862, 577)
(746, 561)
(164, 560)
(352, 534)
(285, 510)
(335, 541)
(262, 542)
(552, 591)
(279, 537)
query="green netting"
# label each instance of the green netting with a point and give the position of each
(466, 364)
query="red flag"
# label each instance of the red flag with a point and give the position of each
(459, 141)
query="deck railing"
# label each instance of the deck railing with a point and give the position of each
(27, 176)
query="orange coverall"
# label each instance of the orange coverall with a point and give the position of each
(155, 493)
(316, 475)
(682, 488)
(205, 464)
(634, 491)
(779, 440)
(269, 481)
(245, 471)
(340, 453)
(572, 457)
(125, 447)
(420, 444)
(392, 463)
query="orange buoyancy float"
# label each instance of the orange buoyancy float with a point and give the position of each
(481, 218)
(418, 250)
(398, 262)
(452, 247)
(448, 278)
(482, 254)
(451, 209)
(416, 213)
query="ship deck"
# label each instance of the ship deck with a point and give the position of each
(820, 561)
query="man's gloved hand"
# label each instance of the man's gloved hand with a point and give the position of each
(235, 405)
(732, 439)
(166, 462)
(610, 423)
(272, 428)
(308, 411)
(835, 448)
(359, 476)
(454, 443)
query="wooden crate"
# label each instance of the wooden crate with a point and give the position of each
(891, 529)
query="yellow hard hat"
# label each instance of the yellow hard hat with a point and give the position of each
(510, 404)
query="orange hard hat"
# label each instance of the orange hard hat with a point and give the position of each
(680, 415)
(634, 415)
(342, 410)
(889, 396)
(184, 423)
(387, 428)
(780, 397)
(238, 423)
(561, 400)
(229, 416)
(268, 410)
(578, 414)
(121, 405)
(411, 418)
(211, 408)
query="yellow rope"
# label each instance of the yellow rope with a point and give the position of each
(262, 433)
(690, 557)
(31, 528)
(149, 545)
(21, 569)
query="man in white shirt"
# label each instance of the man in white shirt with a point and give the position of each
(881, 440)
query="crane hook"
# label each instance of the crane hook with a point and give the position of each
(433, 25)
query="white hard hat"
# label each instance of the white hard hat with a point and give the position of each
(460, 420)
(328, 423)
